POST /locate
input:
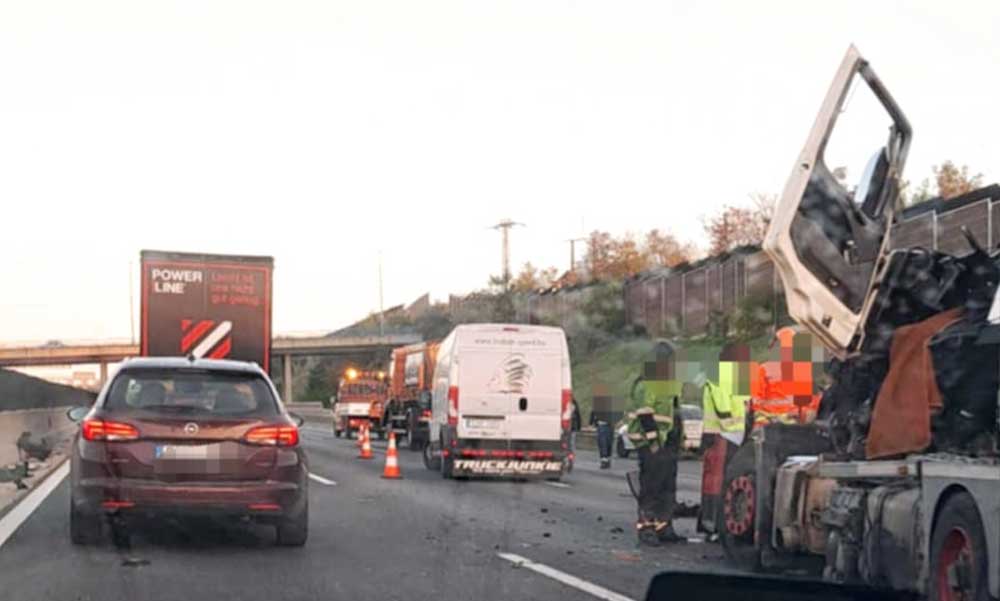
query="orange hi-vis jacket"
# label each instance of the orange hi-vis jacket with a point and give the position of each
(773, 399)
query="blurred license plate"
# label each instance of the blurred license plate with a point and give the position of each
(483, 424)
(175, 451)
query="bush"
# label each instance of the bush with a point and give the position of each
(753, 317)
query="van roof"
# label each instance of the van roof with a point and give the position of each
(508, 327)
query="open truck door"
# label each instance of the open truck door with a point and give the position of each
(830, 230)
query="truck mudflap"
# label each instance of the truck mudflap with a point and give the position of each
(491, 466)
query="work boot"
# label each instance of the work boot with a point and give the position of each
(665, 533)
(646, 531)
(605, 463)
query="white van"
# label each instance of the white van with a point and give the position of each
(501, 402)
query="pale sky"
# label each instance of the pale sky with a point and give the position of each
(324, 132)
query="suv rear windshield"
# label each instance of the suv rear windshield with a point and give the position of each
(191, 392)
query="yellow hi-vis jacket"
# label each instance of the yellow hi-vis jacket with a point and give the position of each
(724, 410)
(658, 400)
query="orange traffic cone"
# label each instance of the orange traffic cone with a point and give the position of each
(391, 460)
(366, 447)
(361, 436)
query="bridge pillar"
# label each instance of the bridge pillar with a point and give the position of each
(104, 374)
(286, 378)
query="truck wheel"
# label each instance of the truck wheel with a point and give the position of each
(739, 505)
(430, 461)
(337, 432)
(294, 530)
(84, 528)
(958, 552)
(620, 448)
(413, 440)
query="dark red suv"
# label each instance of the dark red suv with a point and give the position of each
(175, 436)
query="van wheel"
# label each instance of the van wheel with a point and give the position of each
(84, 528)
(621, 450)
(447, 466)
(430, 461)
(294, 530)
(958, 552)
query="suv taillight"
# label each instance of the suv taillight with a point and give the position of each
(275, 436)
(453, 405)
(102, 429)
(567, 408)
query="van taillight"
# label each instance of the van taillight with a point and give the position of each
(102, 429)
(567, 408)
(276, 436)
(453, 405)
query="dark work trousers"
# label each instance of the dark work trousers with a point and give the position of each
(658, 480)
(604, 439)
(716, 452)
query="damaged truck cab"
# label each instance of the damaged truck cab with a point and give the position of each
(897, 484)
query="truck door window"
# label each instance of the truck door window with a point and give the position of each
(843, 217)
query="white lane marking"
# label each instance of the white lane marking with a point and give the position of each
(321, 479)
(568, 579)
(558, 484)
(10, 522)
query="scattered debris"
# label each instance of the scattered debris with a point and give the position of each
(134, 562)
(617, 530)
(600, 518)
(546, 534)
(544, 510)
(625, 556)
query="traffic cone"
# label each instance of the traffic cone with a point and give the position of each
(366, 447)
(361, 436)
(391, 470)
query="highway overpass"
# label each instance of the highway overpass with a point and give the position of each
(282, 347)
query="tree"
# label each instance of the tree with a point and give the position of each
(950, 180)
(319, 386)
(527, 280)
(740, 226)
(663, 250)
(954, 181)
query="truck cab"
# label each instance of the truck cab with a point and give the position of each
(888, 488)
(359, 401)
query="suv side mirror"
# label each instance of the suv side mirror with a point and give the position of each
(76, 414)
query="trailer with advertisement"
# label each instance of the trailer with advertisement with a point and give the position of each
(206, 306)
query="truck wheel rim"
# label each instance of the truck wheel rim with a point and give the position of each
(739, 505)
(954, 571)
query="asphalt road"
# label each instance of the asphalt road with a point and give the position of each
(372, 538)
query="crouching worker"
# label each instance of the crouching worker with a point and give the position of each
(655, 430)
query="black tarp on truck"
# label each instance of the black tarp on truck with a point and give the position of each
(209, 306)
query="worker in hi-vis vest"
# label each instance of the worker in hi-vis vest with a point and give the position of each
(654, 428)
(723, 428)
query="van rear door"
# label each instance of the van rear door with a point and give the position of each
(511, 383)
(535, 409)
(483, 408)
